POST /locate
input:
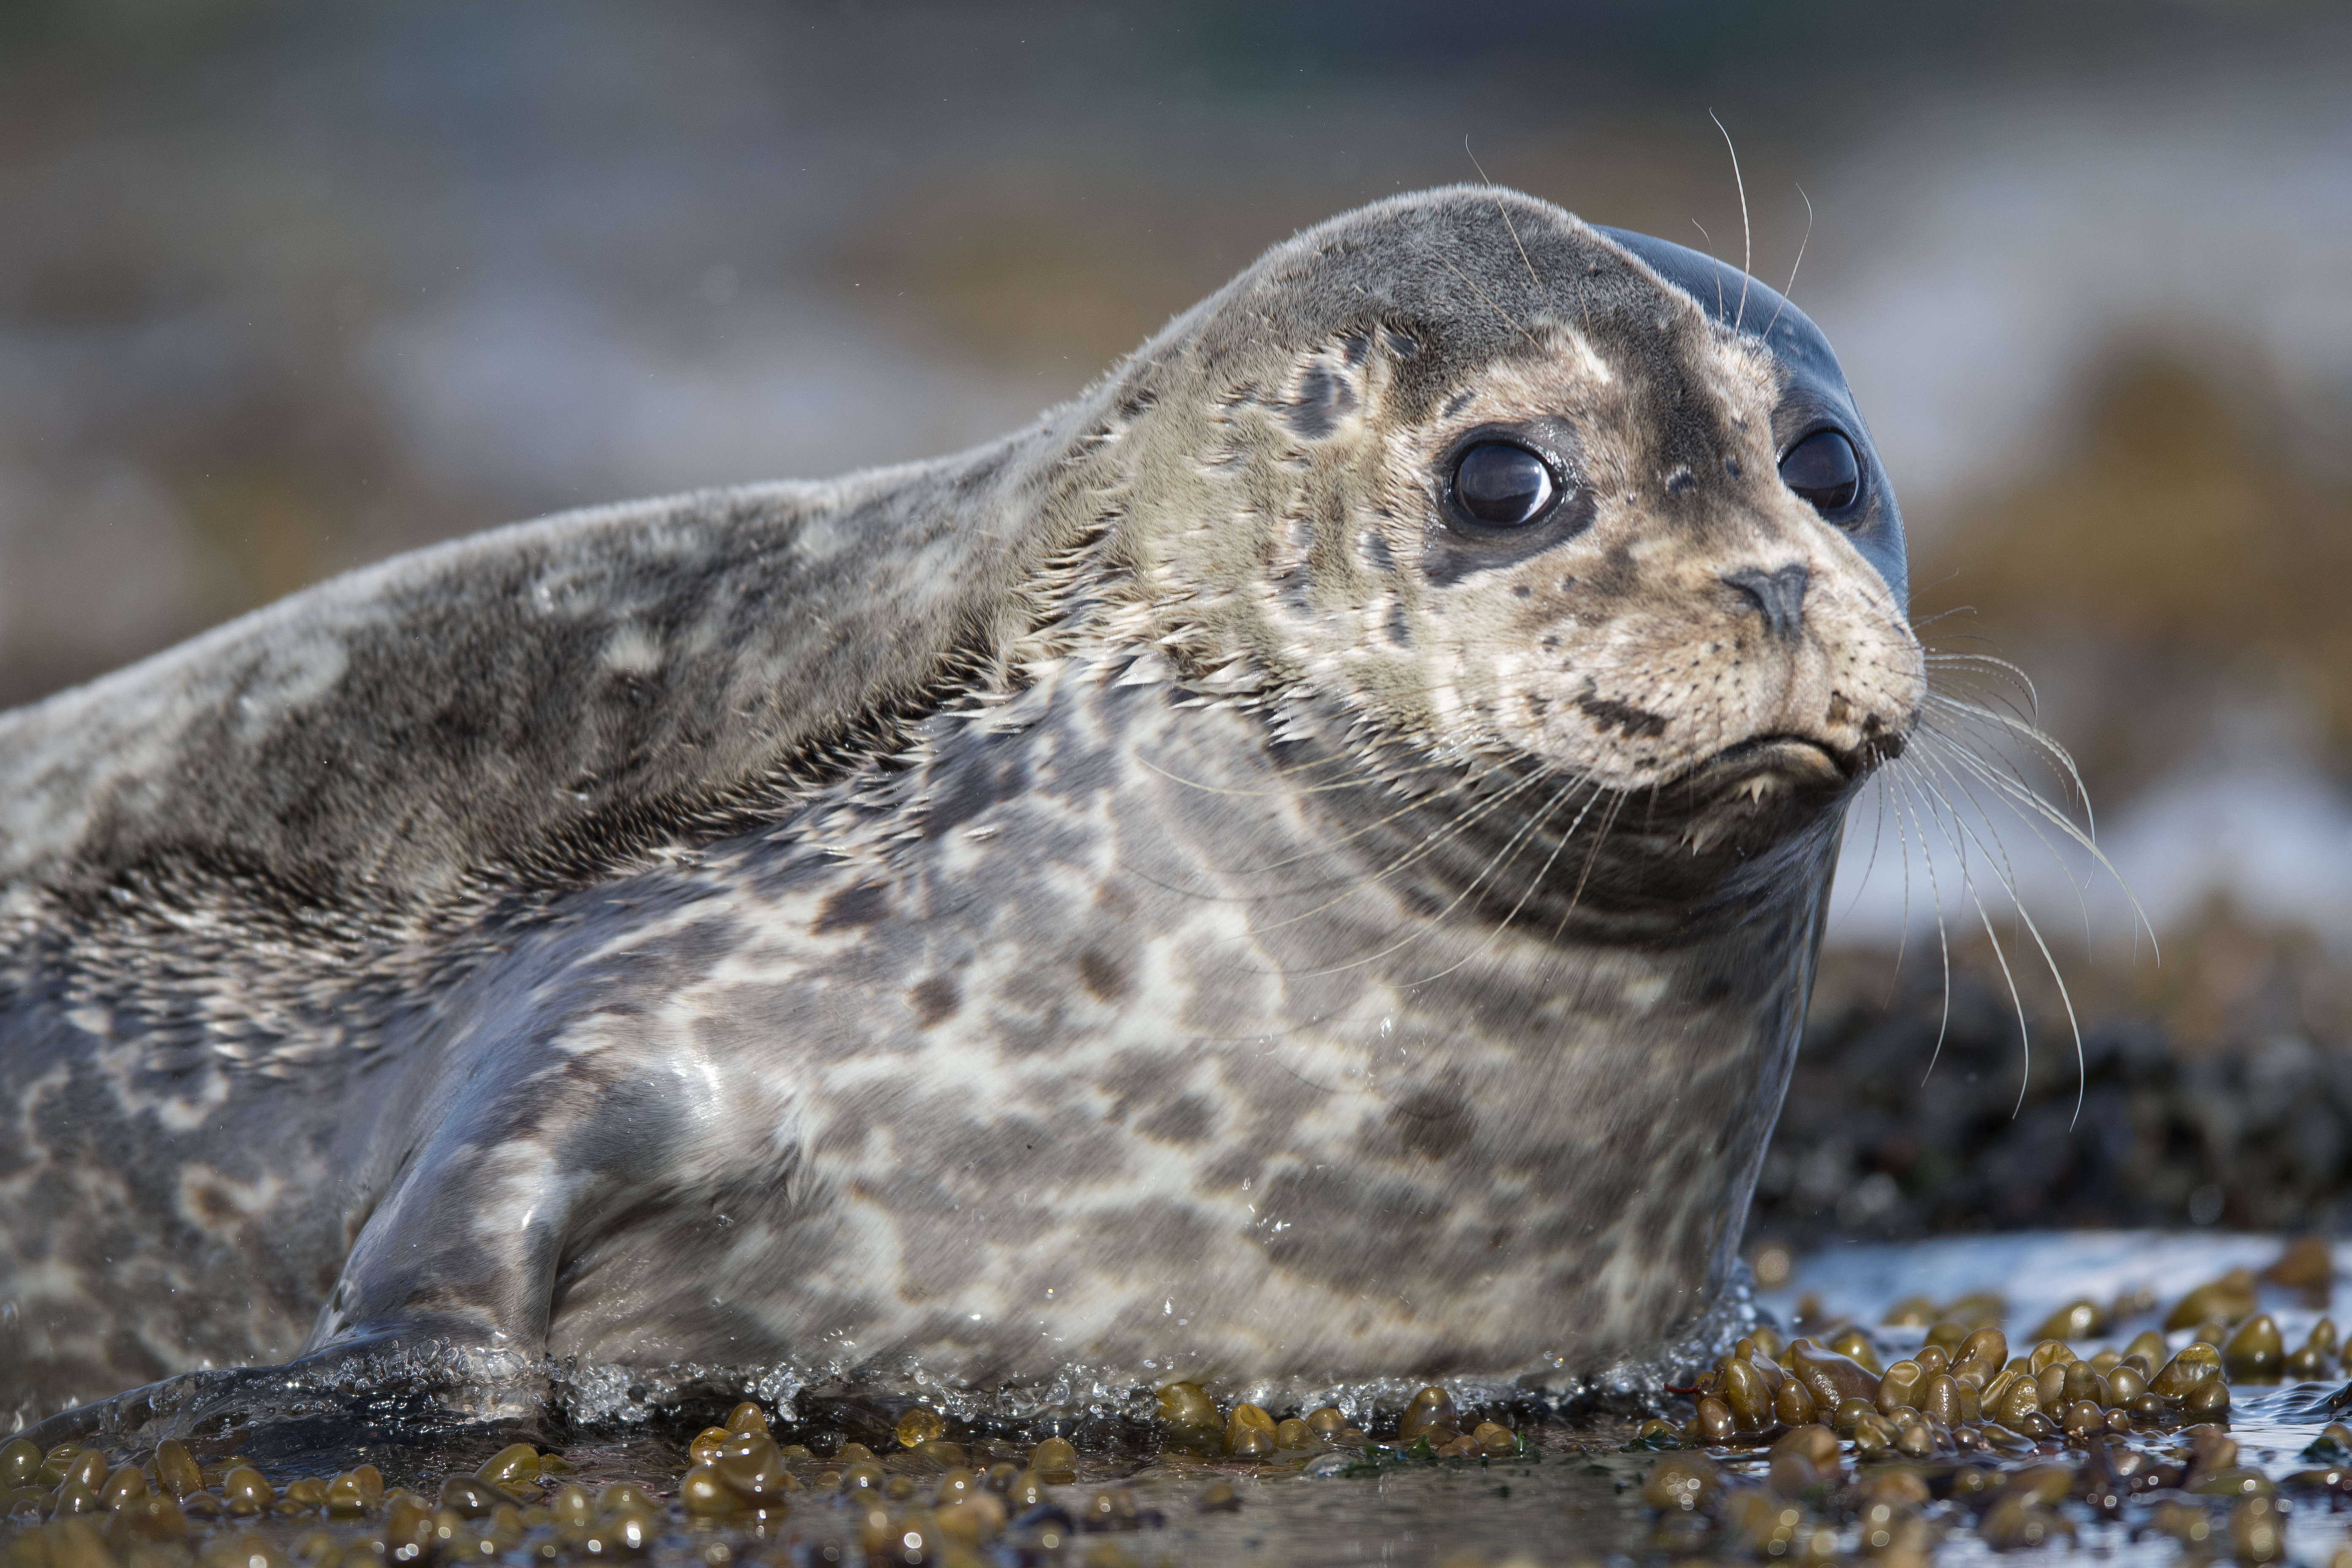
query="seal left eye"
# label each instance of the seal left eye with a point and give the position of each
(1503, 486)
(1823, 471)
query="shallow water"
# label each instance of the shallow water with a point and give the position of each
(1571, 1491)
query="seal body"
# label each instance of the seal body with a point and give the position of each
(1203, 888)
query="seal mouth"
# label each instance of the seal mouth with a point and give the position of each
(1797, 760)
(1756, 793)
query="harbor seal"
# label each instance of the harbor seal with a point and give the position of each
(1303, 863)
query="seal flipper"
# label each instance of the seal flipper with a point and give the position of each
(361, 1399)
(439, 1317)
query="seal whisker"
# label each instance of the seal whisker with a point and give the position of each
(1718, 276)
(1746, 238)
(1288, 790)
(1945, 821)
(1534, 882)
(2017, 699)
(1427, 845)
(2023, 799)
(1792, 288)
(1939, 745)
(2056, 754)
(1990, 662)
(1519, 835)
(1591, 858)
(2025, 805)
(1490, 303)
(1878, 831)
(2065, 996)
(1907, 786)
(1504, 213)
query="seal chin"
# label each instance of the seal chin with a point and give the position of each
(1759, 791)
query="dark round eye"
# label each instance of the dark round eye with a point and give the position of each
(1503, 486)
(1823, 471)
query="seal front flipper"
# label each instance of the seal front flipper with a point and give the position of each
(439, 1315)
(361, 1399)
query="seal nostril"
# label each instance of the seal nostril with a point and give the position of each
(1779, 595)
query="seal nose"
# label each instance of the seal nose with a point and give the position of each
(1779, 595)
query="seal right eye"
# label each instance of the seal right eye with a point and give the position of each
(1503, 485)
(1823, 471)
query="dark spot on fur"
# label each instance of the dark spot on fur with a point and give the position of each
(1679, 481)
(1348, 1236)
(1458, 402)
(1732, 465)
(214, 1205)
(1325, 397)
(1113, 900)
(1501, 1239)
(1421, 902)
(1189, 1118)
(1522, 592)
(1354, 344)
(1401, 344)
(1637, 723)
(1102, 974)
(933, 1000)
(1400, 629)
(994, 770)
(863, 905)
(1433, 1124)
(1296, 583)
(1376, 551)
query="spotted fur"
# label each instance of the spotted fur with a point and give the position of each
(1150, 896)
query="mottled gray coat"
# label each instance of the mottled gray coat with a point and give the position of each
(1156, 895)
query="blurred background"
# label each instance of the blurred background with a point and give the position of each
(288, 287)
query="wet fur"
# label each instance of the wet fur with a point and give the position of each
(1149, 857)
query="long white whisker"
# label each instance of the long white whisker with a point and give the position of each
(1506, 316)
(1429, 927)
(1354, 781)
(1949, 751)
(2082, 1065)
(2021, 795)
(1790, 292)
(1943, 934)
(2017, 798)
(1533, 882)
(1429, 844)
(1991, 661)
(1878, 831)
(1505, 215)
(2050, 748)
(1591, 858)
(1967, 886)
(1746, 239)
